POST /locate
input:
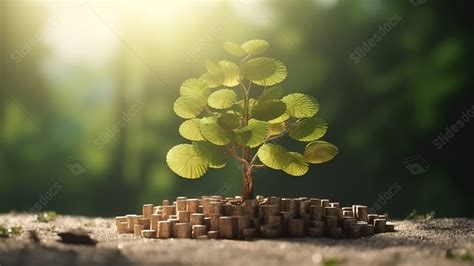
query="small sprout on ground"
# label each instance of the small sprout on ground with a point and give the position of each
(415, 216)
(15, 230)
(12, 231)
(3, 231)
(331, 262)
(46, 216)
(459, 254)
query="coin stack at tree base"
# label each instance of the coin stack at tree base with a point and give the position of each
(218, 217)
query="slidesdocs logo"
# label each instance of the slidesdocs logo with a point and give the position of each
(416, 165)
(76, 165)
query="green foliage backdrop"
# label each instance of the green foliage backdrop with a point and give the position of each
(88, 91)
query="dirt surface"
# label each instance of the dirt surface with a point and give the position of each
(414, 243)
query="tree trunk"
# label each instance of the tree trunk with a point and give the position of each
(247, 185)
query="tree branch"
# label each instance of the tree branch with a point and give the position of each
(270, 138)
(236, 156)
(245, 58)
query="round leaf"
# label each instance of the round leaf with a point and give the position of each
(264, 71)
(274, 156)
(213, 132)
(184, 161)
(195, 90)
(259, 68)
(272, 93)
(212, 154)
(300, 105)
(320, 152)
(298, 165)
(186, 108)
(229, 121)
(212, 80)
(268, 110)
(189, 129)
(234, 49)
(276, 129)
(280, 119)
(309, 129)
(255, 47)
(252, 135)
(213, 67)
(231, 73)
(222, 99)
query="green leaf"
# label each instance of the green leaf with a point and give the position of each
(213, 132)
(280, 119)
(187, 108)
(259, 68)
(184, 161)
(268, 110)
(234, 49)
(195, 90)
(231, 73)
(276, 128)
(212, 80)
(213, 67)
(189, 129)
(298, 165)
(214, 155)
(46, 216)
(255, 47)
(274, 156)
(252, 135)
(320, 152)
(15, 230)
(272, 93)
(300, 105)
(229, 121)
(222, 99)
(264, 71)
(3, 232)
(309, 129)
(239, 106)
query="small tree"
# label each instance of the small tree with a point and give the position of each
(238, 110)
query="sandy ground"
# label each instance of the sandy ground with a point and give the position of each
(414, 243)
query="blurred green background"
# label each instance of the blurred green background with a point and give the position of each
(87, 89)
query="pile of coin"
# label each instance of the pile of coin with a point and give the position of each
(212, 217)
